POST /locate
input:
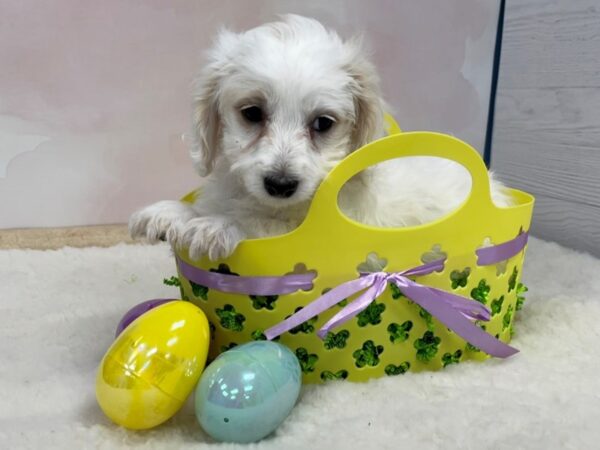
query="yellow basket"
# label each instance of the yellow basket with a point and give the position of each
(393, 334)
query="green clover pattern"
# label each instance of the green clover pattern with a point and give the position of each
(460, 278)
(399, 333)
(230, 319)
(512, 281)
(506, 320)
(396, 292)
(199, 291)
(427, 346)
(368, 355)
(172, 281)
(327, 375)
(521, 289)
(451, 358)
(307, 360)
(259, 335)
(424, 314)
(371, 314)
(481, 292)
(496, 305)
(264, 301)
(336, 340)
(392, 369)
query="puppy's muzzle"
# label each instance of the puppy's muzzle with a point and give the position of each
(280, 186)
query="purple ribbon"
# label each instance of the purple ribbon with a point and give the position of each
(501, 252)
(234, 284)
(452, 310)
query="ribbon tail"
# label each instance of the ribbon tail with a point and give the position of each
(471, 309)
(455, 320)
(319, 305)
(350, 310)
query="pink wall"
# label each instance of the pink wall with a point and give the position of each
(94, 96)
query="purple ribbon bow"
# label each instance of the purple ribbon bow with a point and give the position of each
(452, 310)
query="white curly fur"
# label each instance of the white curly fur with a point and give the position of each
(294, 71)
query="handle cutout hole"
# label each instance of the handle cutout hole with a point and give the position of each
(404, 192)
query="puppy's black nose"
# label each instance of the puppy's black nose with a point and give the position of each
(282, 187)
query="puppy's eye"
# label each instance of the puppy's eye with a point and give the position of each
(322, 124)
(253, 114)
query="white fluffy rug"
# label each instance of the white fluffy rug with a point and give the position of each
(59, 310)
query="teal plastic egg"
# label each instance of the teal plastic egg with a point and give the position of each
(248, 391)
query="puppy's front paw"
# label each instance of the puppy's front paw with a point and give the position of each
(216, 237)
(156, 221)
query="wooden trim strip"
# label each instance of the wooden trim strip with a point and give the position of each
(53, 238)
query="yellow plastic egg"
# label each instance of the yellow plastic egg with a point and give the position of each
(153, 365)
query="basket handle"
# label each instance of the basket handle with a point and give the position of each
(324, 208)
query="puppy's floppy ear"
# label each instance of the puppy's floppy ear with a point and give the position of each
(368, 104)
(206, 123)
(206, 120)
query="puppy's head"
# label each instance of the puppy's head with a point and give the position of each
(281, 104)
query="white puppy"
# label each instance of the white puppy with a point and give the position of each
(275, 109)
